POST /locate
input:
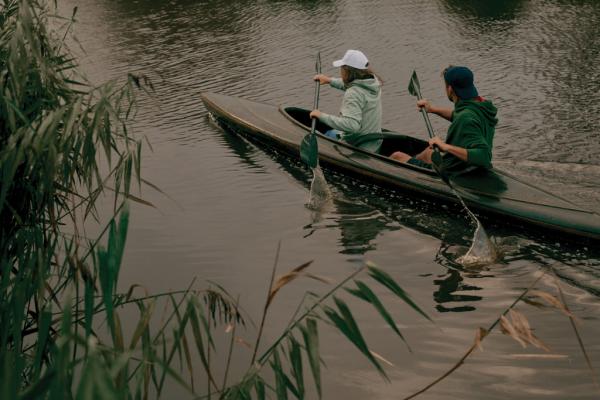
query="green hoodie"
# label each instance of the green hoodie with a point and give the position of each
(360, 113)
(473, 125)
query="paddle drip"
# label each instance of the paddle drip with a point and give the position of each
(320, 194)
(482, 250)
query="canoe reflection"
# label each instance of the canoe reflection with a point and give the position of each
(362, 212)
(360, 223)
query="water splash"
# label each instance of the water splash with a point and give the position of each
(320, 194)
(482, 250)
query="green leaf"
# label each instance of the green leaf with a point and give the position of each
(43, 334)
(346, 323)
(310, 334)
(365, 293)
(387, 281)
(142, 324)
(39, 389)
(88, 306)
(196, 329)
(259, 386)
(118, 333)
(295, 356)
(280, 384)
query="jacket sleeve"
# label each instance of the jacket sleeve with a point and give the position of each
(478, 150)
(350, 114)
(337, 83)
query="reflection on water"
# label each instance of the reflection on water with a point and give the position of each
(449, 284)
(362, 218)
(487, 11)
(359, 226)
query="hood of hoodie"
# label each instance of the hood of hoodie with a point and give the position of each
(372, 86)
(485, 109)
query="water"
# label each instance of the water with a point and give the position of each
(482, 251)
(320, 194)
(232, 202)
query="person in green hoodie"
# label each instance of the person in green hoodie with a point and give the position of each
(469, 140)
(359, 122)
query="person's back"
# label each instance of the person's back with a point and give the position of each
(361, 111)
(473, 127)
(470, 137)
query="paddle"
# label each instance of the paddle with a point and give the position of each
(414, 88)
(481, 243)
(309, 150)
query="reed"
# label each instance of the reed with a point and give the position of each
(65, 146)
(57, 134)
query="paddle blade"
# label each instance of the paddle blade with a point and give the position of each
(309, 151)
(414, 88)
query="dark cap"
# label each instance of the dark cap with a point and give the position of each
(461, 81)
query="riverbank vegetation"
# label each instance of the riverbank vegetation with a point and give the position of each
(65, 148)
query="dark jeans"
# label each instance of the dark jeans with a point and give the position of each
(419, 163)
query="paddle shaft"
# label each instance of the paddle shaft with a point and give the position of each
(425, 115)
(309, 149)
(313, 125)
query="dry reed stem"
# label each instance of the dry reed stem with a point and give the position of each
(264, 315)
(481, 334)
(579, 340)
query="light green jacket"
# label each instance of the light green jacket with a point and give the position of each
(360, 113)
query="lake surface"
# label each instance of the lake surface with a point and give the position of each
(233, 202)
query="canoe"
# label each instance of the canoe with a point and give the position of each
(492, 193)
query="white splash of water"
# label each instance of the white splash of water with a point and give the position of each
(482, 250)
(320, 194)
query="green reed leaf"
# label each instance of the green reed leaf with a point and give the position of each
(198, 336)
(310, 334)
(386, 280)
(43, 335)
(345, 322)
(280, 383)
(142, 324)
(88, 306)
(295, 357)
(365, 293)
(259, 387)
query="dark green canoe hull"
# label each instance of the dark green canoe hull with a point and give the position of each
(490, 192)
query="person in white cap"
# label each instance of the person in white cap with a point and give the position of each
(359, 122)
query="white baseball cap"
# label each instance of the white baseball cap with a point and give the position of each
(353, 58)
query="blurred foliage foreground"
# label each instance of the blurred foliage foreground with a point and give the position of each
(64, 146)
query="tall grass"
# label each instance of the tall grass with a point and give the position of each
(56, 131)
(64, 145)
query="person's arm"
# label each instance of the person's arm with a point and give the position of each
(445, 113)
(350, 116)
(457, 151)
(476, 150)
(336, 83)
